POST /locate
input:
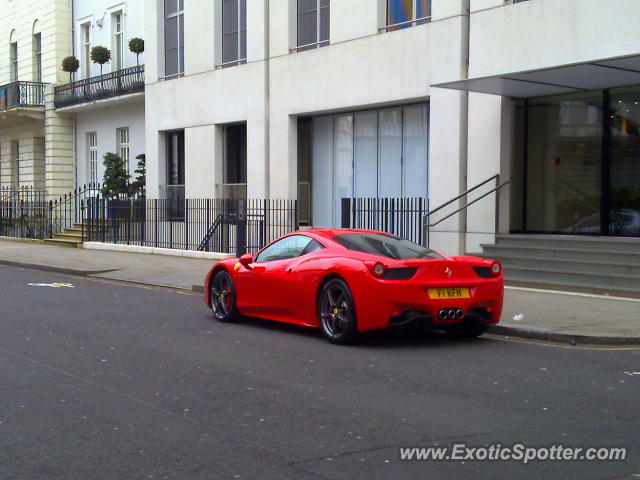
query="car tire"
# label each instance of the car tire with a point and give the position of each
(467, 329)
(223, 297)
(336, 312)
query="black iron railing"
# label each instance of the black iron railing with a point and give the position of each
(403, 217)
(114, 84)
(24, 213)
(214, 225)
(28, 212)
(22, 94)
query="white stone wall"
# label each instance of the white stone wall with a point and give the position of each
(39, 158)
(98, 13)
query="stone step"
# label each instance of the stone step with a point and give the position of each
(62, 243)
(631, 268)
(497, 251)
(624, 244)
(68, 236)
(552, 275)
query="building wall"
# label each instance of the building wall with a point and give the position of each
(98, 13)
(104, 121)
(105, 116)
(39, 158)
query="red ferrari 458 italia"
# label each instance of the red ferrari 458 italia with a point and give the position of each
(348, 281)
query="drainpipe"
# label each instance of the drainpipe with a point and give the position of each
(267, 103)
(464, 127)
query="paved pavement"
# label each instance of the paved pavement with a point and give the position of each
(111, 381)
(557, 316)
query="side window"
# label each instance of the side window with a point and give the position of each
(312, 246)
(288, 247)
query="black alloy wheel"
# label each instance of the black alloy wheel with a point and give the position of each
(223, 297)
(336, 312)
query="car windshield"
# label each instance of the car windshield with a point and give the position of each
(384, 245)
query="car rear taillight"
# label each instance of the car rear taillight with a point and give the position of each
(377, 269)
(489, 272)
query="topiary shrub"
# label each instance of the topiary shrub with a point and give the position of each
(70, 65)
(100, 55)
(136, 45)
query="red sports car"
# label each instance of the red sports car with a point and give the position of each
(349, 281)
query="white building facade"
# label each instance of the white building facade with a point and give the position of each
(36, 147)
(323, 100)
(106, 106)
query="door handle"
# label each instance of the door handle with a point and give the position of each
(288, 270)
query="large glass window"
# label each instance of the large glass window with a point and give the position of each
(92, 157)
(122, 137)
(173, 38)
(624, 158)
(235, 162)
(563, 164)
(117, 41)
(14, 61)
(368, 154)
(37, 57)
(175, 158)
(407, 13)
(234, 32)
(85, 59)
(313, 24)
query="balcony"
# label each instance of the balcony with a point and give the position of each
(22, 94)
(123, 83)
(21, 102)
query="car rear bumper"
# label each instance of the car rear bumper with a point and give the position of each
(394, 303)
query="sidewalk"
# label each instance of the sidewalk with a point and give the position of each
(531, 313)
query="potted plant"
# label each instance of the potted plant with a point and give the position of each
(136, 45)
(115, 186)
(70, 65)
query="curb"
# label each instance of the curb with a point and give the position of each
(172, 252)
(49, 268)
(538, 334)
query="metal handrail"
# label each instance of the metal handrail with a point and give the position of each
(407, 22)
(463, 194)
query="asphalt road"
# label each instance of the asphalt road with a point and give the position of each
(113, 381)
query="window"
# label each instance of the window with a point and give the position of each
(367, 154)
(175, 158)
(235, 160)
(122, 135)
(234, 32)
(37, 57)
(384, 245)
(407, 13)
(289, 247)
(92, 157)
(173, 38)
(14, 61)
(118, 41)
(85, 36)
(313, 24)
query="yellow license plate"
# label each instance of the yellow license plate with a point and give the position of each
(440, 293)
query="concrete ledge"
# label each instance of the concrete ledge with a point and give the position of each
(566, 337)
(23, 240)
(114, 247)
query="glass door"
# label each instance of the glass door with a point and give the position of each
(624, 162)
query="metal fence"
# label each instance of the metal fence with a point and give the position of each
(121, 82)
(22, 94)
(403, 217)
(215, 225)
(24, 213)
(27, 212)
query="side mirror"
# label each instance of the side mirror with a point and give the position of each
(246, 260)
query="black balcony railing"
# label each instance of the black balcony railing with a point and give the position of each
(22, 94)
(114, 84)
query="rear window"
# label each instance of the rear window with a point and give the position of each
(384, 245)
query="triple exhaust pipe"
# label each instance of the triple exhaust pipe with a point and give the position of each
(451, 314)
